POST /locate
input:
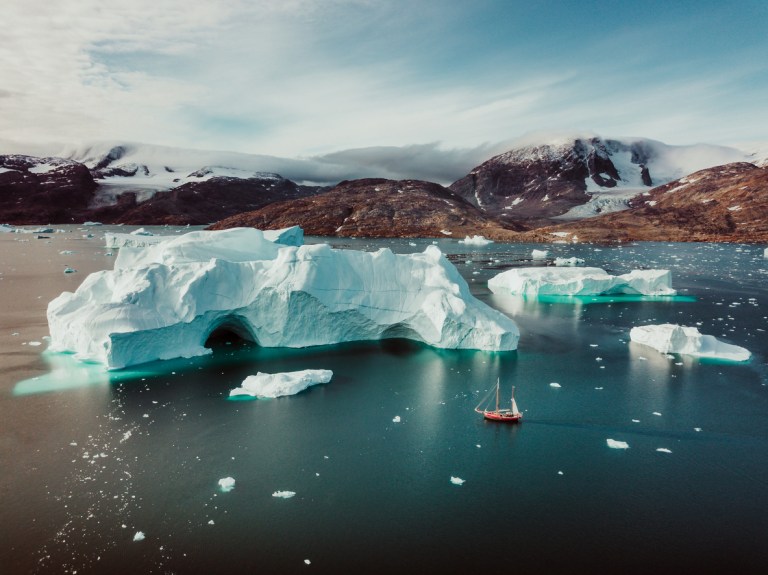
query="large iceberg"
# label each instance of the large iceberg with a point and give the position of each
(671, 338)
(164, 301)
(580, 281)
(273, 385)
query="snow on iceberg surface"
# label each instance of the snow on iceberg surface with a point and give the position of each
(280, 384)
(671, 338)
(580, 281)
(164, 301)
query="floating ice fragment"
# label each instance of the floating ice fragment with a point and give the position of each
(697, 428)
(227, 484)
(34, 343)
(568, 262)
(580, 281)
(307, 561)
(69, 270)
(663, 450)
(670, 338)
(396, 419)
(656, 413)
(539, 254)
(139, 536)
(555, 384)
(614, 444)
(284, 494)
(457, 480)
(280, 384)
(210, 522)
(635, 421)
(475, 241)
(560, 473)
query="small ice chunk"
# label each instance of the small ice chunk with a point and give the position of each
(284, 494)
(656, 413)
(614, 444)
(555, 384)
(34, 343)
(69, 270)
(210, 522)
(475, 241)
(568, 262)
(664, 450)
(307, 561)
(697, 428)
(560, 473)
(139, 536)
(457, 480)
(227, 484)
(539, 254)
(396, 419)
(271, 385)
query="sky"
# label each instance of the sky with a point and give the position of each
(302, 78)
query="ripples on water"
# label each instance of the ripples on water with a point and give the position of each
(96, 457)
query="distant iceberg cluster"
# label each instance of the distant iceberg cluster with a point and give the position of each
(580, 281)
(671, 338)
(165, 300)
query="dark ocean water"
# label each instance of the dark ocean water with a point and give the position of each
(90, 458)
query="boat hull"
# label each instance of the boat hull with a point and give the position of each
(503, 416)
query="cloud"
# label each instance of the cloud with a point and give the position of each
(308, 77)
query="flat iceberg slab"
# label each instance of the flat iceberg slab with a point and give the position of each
(280, 384)
(580, 281)
(164, 301)
(671, 338)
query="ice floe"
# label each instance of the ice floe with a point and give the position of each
(580, 281)
(671, 338)
(539, 254)
(280, 384)
(475, 241)
(458, 480)
(226, 484)
(615, 444)
(569, 262)
(139, 536)
(284, 494)
(164, 301)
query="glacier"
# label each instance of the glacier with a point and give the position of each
(271, 385)
(165, 300)
(672, 338)
(580, 281)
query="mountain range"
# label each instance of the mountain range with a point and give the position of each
(537, 187)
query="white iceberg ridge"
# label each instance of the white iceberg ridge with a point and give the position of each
(580, 281)
(671, 338)
(280, 384)
(164, 301)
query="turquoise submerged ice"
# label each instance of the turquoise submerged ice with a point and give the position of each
(164, 301)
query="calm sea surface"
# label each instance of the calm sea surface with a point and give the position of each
(89, 458)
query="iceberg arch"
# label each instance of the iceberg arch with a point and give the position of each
(164, 301)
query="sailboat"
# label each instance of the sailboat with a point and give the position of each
(510, 415)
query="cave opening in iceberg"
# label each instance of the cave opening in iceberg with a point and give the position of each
(228, 331)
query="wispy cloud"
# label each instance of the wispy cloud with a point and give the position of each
(308, 77)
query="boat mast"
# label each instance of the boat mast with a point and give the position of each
(498, 383)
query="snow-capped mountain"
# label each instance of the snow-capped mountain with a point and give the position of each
(574, 177)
